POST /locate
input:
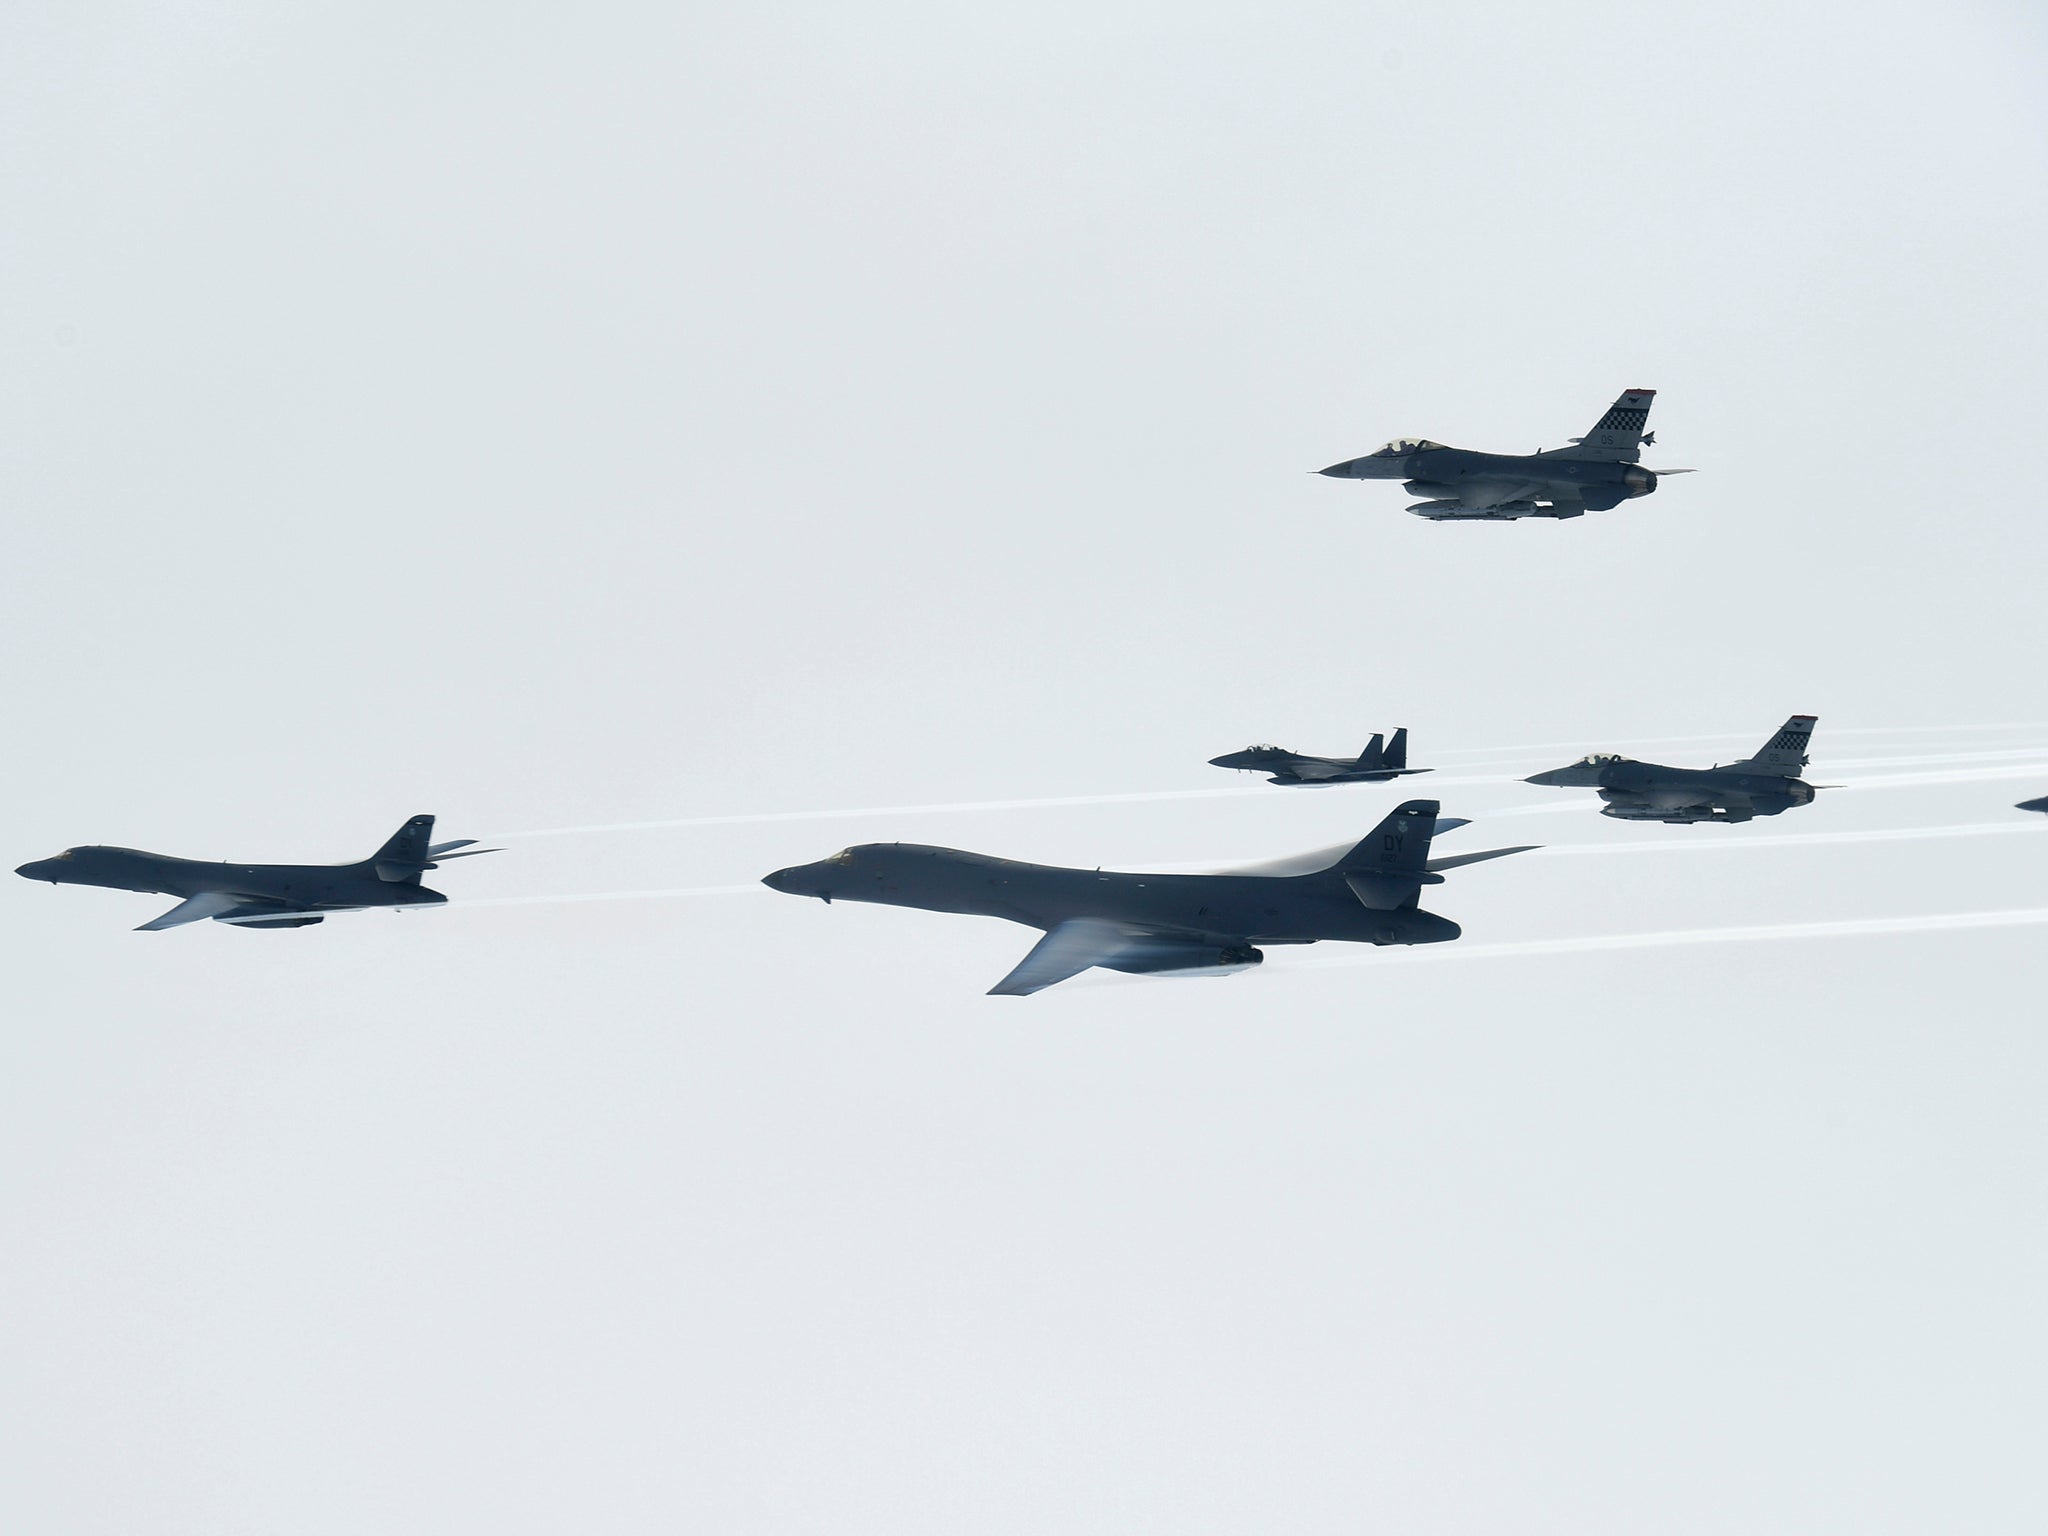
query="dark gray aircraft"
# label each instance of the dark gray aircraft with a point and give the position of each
(264, 895)
(1762, 785)
(2033, 805)
(1162, 924)
(1381, 760)
(1596, 472)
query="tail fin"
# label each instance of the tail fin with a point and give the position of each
(406, 855)
(1397, 750)
(1784, 753)
(1617, 436)
(1390, 867)
(1375, 753)
(1400, 844)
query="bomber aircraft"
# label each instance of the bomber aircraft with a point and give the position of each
(1381, 760)
(1763, 785)
(1594, 473)
(1162, 924)
(264, 895)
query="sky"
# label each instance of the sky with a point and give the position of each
(588, 417)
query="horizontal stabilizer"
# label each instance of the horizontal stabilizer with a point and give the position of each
(1384, 893)
(1454, 860)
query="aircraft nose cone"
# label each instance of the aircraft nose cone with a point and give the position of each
(797, 881)
(33, 870)
(1342, 471)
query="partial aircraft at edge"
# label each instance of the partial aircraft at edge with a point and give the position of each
(264, 895)
(1150, 924)
(1596, 472)
(1381, 760)
(1763, 785)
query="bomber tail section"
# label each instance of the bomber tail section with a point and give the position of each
(1617, 436)
(404, 855)
(1389, 868)
(408, 854)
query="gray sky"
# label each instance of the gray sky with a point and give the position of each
(613, 414)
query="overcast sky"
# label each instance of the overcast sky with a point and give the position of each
(547, 417)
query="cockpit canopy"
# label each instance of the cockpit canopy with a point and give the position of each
(842, 858)
(1401, 447)
(1601, 759)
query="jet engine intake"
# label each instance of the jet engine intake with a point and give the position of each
(1431, 489)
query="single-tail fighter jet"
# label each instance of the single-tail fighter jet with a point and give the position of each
(1164, 924)
(1381, 760)
(265, 895)
(1762, 785)
(1594, 473)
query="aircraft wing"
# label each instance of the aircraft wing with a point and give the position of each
(1316, 768)
(194, 909)
(227, 907)
(1495, 493)
(1067, 949)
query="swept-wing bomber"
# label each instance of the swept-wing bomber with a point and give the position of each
(1162, 924)
(1381, 760)
(265, 895)
(1762, 785)
(1593, 473)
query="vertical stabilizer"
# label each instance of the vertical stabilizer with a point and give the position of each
(406, 855)
(1374, 755)
(1398, 845)
(1617, 436)
(1785, 753)
(1397, 750)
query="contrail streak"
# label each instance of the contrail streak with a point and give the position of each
(1808, 839)
(1676, 844)
(673, 891)
(1947, 922)
(2036, 768)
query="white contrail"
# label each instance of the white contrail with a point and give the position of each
(1807, 839)
(1676, 844)
(1421, 787)
(673, 891)
(1847, 928)
(1832, 733)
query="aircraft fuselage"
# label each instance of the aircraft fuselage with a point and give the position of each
(1263, 909)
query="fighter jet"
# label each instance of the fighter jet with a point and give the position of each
(2033, 805)
(1596, 472)
(1162, 924)
(1381, 760)
(1762, 785)
(265, 895)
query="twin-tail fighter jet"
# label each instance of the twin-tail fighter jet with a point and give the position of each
(1381, 760)
(1147, 924)
(1763, 785)
(265, 895)
(1594, 473)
